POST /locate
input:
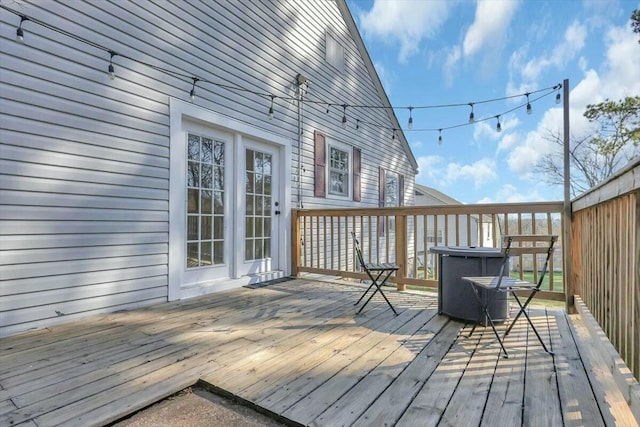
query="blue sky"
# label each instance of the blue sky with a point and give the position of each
(433, 52)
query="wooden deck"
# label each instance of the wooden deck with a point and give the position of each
(296, 349)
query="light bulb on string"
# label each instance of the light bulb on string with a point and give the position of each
(529, 110)
(357, 125)
(344, 116)
(439, 136)
(393, 134)
(270, 114)
(498, 125)
(20, 31)
(328, 106)
(558, 87)
(192, 94)
(472, 117)
(111, 69)
(410, 123)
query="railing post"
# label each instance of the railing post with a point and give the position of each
(295, 243)
(401, 250)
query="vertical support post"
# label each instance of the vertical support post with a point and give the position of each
(570, 285)
(296, 243)
(401, 250)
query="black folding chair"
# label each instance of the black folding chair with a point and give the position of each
(505, 284)
(383, 271)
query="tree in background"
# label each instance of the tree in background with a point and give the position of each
(595, 157)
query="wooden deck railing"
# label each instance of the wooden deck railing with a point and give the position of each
(321, 239)
(606, 258)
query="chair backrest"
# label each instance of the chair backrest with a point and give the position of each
(526, 244)
(356, 245)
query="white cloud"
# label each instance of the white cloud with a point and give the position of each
(480, 172)
(527, 72)
(573, 42)
(508, 141)
(405, 22)
(435, 172)
(453, 56)
(487, 128)
(509, 193)
(617, 78)
(491, 22)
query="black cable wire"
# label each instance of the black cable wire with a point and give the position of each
(271, 96)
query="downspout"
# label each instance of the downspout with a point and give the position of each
(300, 81)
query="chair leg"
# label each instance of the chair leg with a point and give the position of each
(523, 310)
(373, 282)
(495, 331)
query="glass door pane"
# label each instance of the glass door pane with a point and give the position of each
(258, 198)
(205, 201)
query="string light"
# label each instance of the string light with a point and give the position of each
(410, 123)
(19, 31)
(439, 136)
(344, 116)
(270, 115)
(179, 74)
(393, 134)
(498, 125)
(112, 71)
(192, 94)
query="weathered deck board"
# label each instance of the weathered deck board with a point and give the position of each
(297, 349)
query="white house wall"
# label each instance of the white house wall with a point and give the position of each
(84, 160)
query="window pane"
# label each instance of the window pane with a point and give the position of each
(192, 255)
(206, 202)
(207, 181)
(193, 174)
(267, 185)
(205, 228)
(193, 147)
(192, 227)
(218, 155)
(248, 226)
(206, 150)
(218, 202)
(258, 160)
(267, 206)
(193, 201)
(206, 255)
(258, 206)
(267, 248)
(218, 178)
(218, 252)
(258, 248)
(249, 183)
(249, 160)
(258, 228)
(249, 204)
(266, 165)
(218, 227)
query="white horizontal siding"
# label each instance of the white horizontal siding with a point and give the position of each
(84, 161)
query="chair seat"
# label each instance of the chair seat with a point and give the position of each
(381, 267)
(507, 284)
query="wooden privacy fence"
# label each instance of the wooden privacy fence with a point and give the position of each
(606, 258)
(322, 244)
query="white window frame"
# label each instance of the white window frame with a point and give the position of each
(389, 175)
(334, 52)
(349, 173)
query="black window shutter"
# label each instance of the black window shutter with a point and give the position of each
(320, 163)
(357, 195)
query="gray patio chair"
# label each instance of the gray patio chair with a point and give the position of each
(495, 285)
(383, 271)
